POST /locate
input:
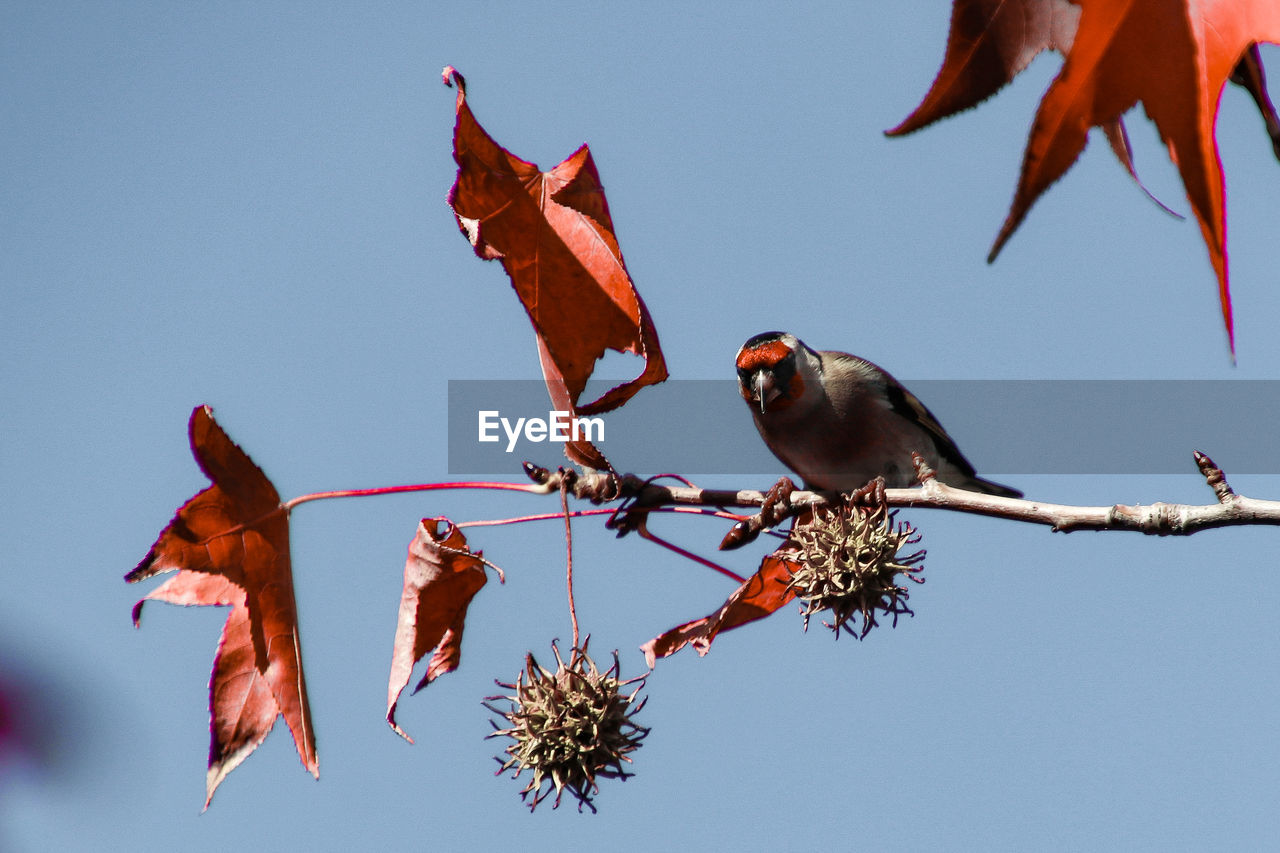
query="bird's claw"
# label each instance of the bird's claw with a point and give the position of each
(871, 494)
(773, 510)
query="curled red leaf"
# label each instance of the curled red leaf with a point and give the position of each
(441, 576)
(761, 594)
(554, 236)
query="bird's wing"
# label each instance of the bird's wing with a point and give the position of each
(903, 403)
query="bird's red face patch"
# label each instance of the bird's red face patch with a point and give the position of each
(766, 356)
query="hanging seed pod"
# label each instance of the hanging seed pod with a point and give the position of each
(568, 727)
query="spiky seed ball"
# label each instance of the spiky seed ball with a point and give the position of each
(568, 727)
(847, 562)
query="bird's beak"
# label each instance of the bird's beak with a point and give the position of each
(762, 387)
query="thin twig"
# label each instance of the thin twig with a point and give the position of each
(568, 547)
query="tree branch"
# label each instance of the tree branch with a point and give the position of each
(1157, 519)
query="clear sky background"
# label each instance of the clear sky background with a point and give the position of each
(242, 204)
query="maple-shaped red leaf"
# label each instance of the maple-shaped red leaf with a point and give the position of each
(761, 594)
(1174, 56)
(230, 546)
(989, 43)
(441, 576)
(554, 236)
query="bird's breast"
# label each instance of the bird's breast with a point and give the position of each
(841, 451)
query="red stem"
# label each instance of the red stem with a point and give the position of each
(583, 513)
(529, 488)
(658, 540)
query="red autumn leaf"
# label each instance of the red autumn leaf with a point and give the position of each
(230, 546)
(554, 236)
(1174, 56)
(761, 594)
(989, 43)
(441, 576)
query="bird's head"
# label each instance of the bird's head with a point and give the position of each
(776, 370)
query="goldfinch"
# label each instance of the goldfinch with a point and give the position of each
(839, 421)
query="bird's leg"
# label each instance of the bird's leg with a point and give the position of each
(774, 509)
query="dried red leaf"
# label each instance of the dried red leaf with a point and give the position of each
(989, 43)
(230, 546)
(1172, 55)
(761, 594)
(441, 576)
(1174, 60)
(554, 236)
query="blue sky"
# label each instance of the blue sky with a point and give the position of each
(243, 205)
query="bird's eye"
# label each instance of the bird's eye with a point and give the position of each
(784, 372)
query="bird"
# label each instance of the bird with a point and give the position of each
(839, 421)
